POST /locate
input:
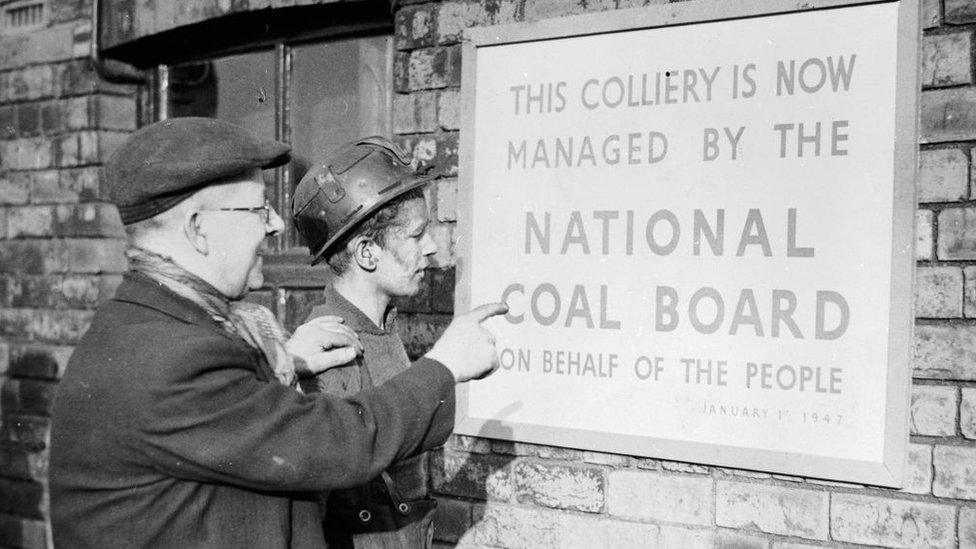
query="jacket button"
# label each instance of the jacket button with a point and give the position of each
(365, 515)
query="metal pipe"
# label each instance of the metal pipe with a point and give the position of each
(283, 60)
(110, 69)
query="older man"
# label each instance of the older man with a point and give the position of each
(177, 423)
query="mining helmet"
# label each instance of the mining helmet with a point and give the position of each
(354, 181)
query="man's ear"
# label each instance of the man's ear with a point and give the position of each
(196, 235)
(364, 254)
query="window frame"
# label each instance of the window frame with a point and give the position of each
(286, 242)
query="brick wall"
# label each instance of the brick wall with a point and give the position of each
(501, 494)
(61, 254)
(60, 242)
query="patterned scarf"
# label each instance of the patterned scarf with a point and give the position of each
(254, 323)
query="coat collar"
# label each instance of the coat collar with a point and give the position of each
(141, 290)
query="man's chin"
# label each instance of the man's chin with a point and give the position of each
(255, 277)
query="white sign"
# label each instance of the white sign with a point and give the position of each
(703, 231)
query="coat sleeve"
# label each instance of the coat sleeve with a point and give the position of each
(209, 418)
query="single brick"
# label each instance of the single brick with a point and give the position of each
(957, 234)
(943, 175)
(29, 432)
(918, 470)
(955, 472)
(454, 17)
(499, 525)
(475, 476)
(415, 27)
(560, 486)
(14, 187)
(933, 410)
(967, 527)
(28, 119)
(25, 499)
(656, 496)
(931, 13)
(605, 533)
(30, 221)
(20, 257)
(556, 452)
(39, 361)
(948, 115)
(546, 9)
(17, 531)
(401, 72)
(448, 109)
(889, 522)
(945, 352)
(772, 509)
(28, 396)
(432, 68)
(938, 292)
(77, 113)
(27, 154)
(959, 11)
(924, 238)
(415, 113)
(404, 106)
(947, 59)
(19, 462)
(682, 467)
(435, 154)
(967, 413)
(52, 117)
(451, 519)
(34, 82)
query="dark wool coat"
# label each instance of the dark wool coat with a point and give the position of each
(168, 431)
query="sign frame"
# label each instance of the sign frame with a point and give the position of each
(888, 472)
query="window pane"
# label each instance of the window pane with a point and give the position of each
(238, 89)
(341, 91)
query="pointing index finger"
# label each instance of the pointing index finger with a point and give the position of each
(488, 310)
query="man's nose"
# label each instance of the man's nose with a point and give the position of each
(275, 223)
(428, 246)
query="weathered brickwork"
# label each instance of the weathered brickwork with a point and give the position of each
(61, 254)
(61, 243)
(654, 503)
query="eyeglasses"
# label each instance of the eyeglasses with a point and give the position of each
(264, 212)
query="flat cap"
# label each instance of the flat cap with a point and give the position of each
(164, 163)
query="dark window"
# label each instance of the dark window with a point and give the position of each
(314, 95)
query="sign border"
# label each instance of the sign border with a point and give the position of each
(888, 472)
